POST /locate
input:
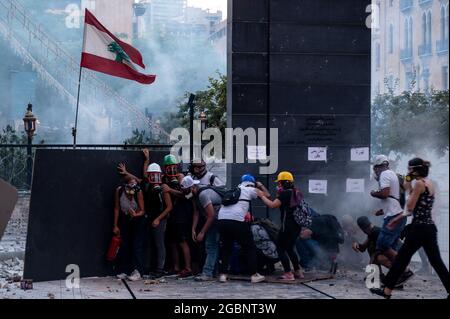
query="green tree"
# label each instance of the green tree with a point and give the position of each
(212, 101)
(13, 161)
(410, 122)
(141, 138)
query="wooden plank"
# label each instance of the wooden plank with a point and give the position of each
(8, 200)
(309, 277)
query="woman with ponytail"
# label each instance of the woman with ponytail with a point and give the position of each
(423, 231)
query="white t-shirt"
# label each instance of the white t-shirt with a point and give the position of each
(206, 180)
(240, 209)
(390, 205)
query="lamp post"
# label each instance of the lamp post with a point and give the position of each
(29, 122)
(203, 121)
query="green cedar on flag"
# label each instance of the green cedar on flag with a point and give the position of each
(104, 52)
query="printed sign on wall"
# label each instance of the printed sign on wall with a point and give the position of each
(359, 154)
(256, 152)
(318, 186)
(317, 153)
(355, 185)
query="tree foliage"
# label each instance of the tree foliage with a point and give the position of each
(13, 161)
(411, 122)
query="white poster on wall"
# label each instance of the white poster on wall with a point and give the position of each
(256, 152)
(318, 186)
(355, 185)
(359, 154)
(317, 153)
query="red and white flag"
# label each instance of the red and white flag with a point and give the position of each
(104, 52)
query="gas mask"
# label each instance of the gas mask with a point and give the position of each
(131, 189)
(198, 170)
(188, 193)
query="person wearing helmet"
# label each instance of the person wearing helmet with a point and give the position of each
(200, 172)
(288, 198)
(234, 228)
(172, 176)
(389, 196)
(158, 205)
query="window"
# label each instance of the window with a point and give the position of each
(424, 28)
(391, 39)
(429, 27)
(410, 33)
(445, 77)
(443, 26)
(426, 80)
(377, 56)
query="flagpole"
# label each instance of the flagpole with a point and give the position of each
(74, 129)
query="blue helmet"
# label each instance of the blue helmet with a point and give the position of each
(248, 178)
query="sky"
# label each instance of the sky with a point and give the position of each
(213, 5)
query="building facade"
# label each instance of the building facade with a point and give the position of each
(410, 46)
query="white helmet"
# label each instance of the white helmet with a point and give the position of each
(380, 160)
(154, 168)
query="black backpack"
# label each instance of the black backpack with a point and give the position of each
(229, 197)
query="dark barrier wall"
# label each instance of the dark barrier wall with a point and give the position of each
(303, 66)
(71, 210)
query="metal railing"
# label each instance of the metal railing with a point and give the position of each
(14, 158)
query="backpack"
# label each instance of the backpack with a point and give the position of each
(303, 214)
(270, 227)
(229, 197)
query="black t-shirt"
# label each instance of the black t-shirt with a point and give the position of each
(153, 200)
(182, 211)
(327, 231)
(285, 197)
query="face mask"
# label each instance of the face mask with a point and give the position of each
(157, 188)
(154, 178)
(189, 196)
(131, 189)
(171, 170)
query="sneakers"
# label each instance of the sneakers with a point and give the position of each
(287, 276)
(135, 276)
(122, 276)
(257, 278)
(380, 292)
(223, 278)
(204, 278)
(298, 274)
(405, 277)
(185, 273)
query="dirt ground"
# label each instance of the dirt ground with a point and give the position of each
(347, 284)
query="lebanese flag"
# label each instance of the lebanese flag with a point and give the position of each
(104, 52)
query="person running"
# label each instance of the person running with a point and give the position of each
(423, 231)
(234, 227)
(129, 224)
(288, 199)
(389, 195)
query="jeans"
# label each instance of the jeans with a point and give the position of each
(420, 235)
(309, 252)
(212, 250)
(158, 238)
(388, 239)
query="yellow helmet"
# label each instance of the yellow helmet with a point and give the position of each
(285, 176)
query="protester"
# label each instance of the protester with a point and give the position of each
(423, 232)
(208, 204)
(389, 195)
(233, 227)
(370, 244)
(328, 233)
(200, 172)
(158, 205)
(130, 224)
(265, 235)
(288, 200)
